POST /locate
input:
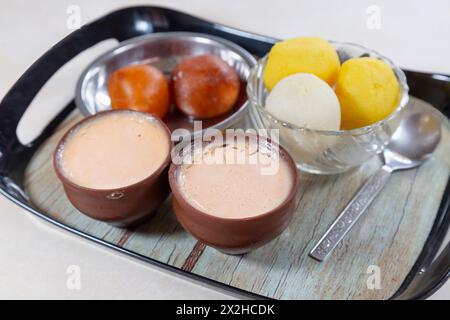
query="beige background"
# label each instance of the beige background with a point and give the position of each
(35, 257)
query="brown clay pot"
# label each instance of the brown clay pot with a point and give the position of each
(231, 235)
(123, 206)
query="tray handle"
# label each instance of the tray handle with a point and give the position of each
(119, 25)
(19, 97)
(22, 93)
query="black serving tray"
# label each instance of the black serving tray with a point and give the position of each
(428, 273)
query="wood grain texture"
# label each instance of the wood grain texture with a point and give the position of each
(390, 235)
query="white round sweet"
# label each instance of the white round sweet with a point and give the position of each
(305, 100)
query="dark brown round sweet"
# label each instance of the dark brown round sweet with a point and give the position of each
(205, 86)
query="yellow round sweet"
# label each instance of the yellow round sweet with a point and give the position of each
(368, 91)
(302, 55)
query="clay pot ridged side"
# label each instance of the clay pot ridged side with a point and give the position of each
(234, 235)
(124, 206)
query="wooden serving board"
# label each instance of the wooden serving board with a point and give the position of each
(390, 236)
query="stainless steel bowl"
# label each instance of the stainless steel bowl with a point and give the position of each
(163, 50)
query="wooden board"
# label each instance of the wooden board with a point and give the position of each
(390, 236)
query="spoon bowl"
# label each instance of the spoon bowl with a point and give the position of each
(413, 142)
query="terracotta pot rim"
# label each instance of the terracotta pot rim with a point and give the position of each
(152, 176)
(174, 186)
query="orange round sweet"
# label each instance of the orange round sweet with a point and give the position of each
(205, 86)
(139, 87)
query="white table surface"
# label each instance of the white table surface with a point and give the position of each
(35, 257)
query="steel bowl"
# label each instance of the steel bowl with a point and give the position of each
(164, 50)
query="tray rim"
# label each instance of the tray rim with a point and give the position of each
(436, 235)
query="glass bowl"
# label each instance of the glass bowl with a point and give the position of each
(320, 151)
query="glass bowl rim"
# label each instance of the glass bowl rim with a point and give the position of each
(400, 75)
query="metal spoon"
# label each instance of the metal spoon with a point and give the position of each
(411, 145)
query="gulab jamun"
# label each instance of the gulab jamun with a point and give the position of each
(139, 87)
(205, 86)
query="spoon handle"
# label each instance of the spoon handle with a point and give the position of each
(354, 209)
